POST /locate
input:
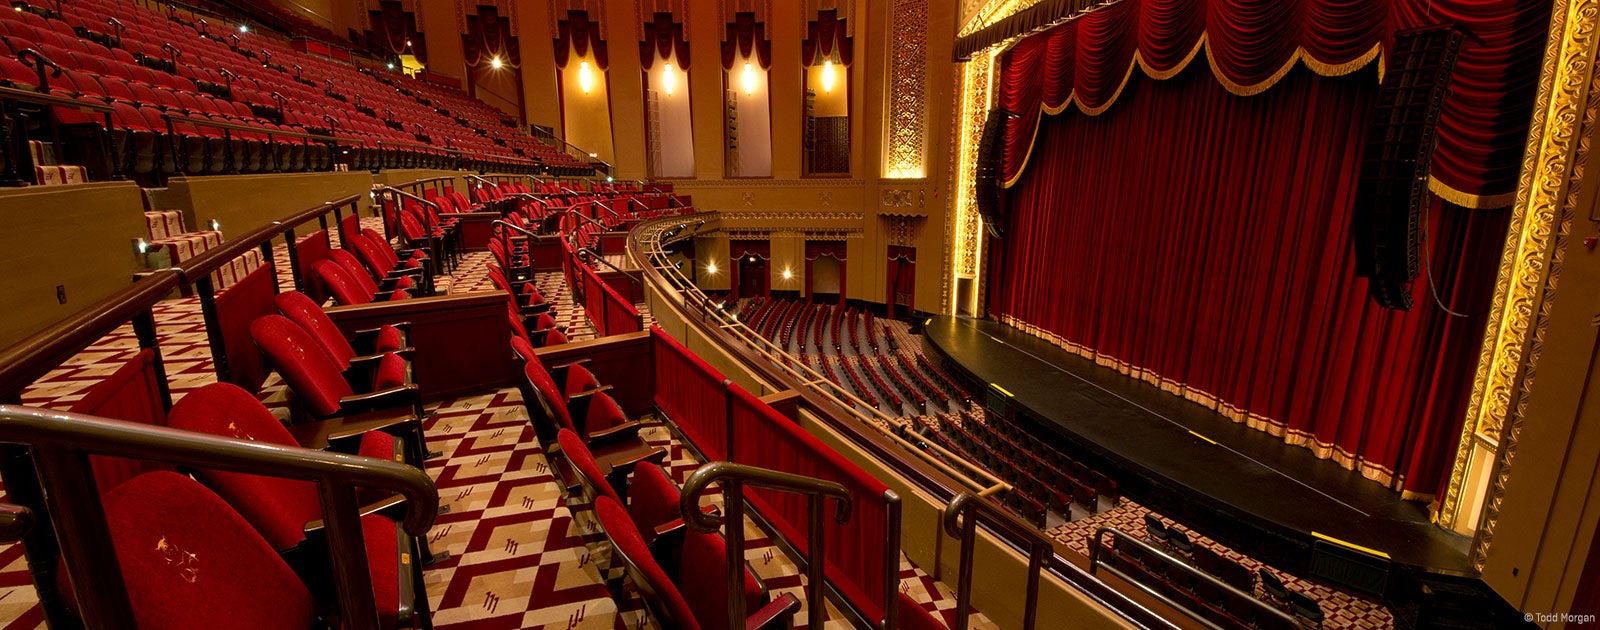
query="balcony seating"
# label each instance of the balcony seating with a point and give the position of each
(349, 289)
(288, 512)
(321, 388)
(544, 332)
(592, 414)
(384, 266)
(365, 277)
(690, 593)
(299, 308)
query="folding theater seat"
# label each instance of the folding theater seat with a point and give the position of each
(545, 332)
(701, 570)
(372, 343)
(574, 378)
(394, 257)
(372, 256)
(186, 523)
(592, 414)
(321, 388)
(348, 288)
(651, 497)
(288, 512)
(528, 301)
(380, 284)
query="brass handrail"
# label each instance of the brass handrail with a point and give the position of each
(961, 519)
(733, 478)
(59, 442)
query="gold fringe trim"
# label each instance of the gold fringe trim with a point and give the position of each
(1300, 55)
(1295, 437)
(1463, 199)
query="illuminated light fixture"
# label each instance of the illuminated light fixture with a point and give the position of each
(495, 62)
(408, 43)
(711, 268)
(827, 76)
(585, 77)
(669, 78)
(788, 274)
(140, 246)
(391, 65)
(609, 180)
(216, 225)
(749, 79)
(244, 28)
(752, 259)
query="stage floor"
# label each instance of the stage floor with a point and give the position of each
(1235, 484)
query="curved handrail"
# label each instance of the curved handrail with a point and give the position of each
(594, 255)
(780, 360)
(960, 520)
(733, 478)
(213, 259)
(60, 440)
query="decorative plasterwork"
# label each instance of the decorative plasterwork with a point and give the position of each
(902, 230)
(1553, 163)
(906, 152)
(966, 227)
(791, 216)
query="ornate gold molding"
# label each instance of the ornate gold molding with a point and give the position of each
(905, 152)
(1525, 287)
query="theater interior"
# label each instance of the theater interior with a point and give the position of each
(927, 314)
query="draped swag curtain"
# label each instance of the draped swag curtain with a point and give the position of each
(1252, 44)
(489, 36)
(1200, 241)
(746, 38)
(577, 34)
(665, 37)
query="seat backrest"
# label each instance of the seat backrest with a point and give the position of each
(652, 499)
(190, 561)
(377, 239)
(358, 271)
(279, 508)
(345, 289)
(301, 362)
(370, 255)
(657, 589)
(305, 312)
(554, 404)
(583, 461)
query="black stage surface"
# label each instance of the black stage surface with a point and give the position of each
(1242, 487)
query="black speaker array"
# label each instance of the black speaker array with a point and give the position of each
(990, 171)
(1393, 189)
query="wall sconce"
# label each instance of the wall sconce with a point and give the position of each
(749, 79)
(669, 78)
(711, 268)
(788, 274)
(495, 62)
(585, 77)
(827, 76)
(140, 246)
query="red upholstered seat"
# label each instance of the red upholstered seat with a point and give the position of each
(303, 311)
(365, 277)
(702, 601)
(598, 411)
(575, 379)
(190, 561)
(346, 288)
(652, 499)
(308, 369)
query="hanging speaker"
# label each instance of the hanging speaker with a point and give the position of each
(989, 172)
(1393, 188)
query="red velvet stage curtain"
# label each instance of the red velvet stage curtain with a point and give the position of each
(578, 34)
(1200, 240)
(1251, 44)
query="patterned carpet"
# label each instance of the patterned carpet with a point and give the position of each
(520, 556)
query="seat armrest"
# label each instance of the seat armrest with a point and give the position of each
(559, 372)
(624, 431)
(371, 360)
(393, 507)
(776, 614)
(343, 433)
(403, 395)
